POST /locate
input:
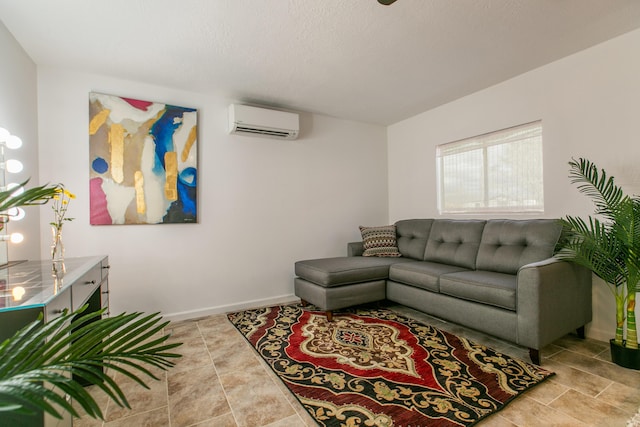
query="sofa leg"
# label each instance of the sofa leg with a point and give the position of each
(534, 355)
(580, 332)
(329, 315)
(303, 302)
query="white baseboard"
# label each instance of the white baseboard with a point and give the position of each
(591, 332)
(599, 334)
(202, 312)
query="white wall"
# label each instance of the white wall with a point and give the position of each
(589, 106)
(19, 115)
(263, 204)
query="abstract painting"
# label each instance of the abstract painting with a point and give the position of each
(143, 161)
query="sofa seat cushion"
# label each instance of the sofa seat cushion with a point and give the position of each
(421, 274)
(486, 287)
(329, 272)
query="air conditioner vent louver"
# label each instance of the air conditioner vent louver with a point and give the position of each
(255, 121)
(278, 133)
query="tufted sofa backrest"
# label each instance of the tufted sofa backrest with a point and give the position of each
(454, 242)
(412, 237)
(507, 245)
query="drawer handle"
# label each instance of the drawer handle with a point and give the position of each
(90, 282)
(57, 311)
(105, 292)
(106, 266)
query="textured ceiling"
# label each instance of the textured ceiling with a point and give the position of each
(354, 59)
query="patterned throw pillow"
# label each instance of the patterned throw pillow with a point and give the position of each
(380, 241)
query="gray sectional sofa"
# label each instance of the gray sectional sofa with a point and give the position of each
(497, 276)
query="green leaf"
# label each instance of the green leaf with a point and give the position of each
(608, 243)
(32, 196)
(81, 345)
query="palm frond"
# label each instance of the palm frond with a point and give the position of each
(88, 348)
(630, 235)
(593, 245)
(611, 248)
(32, 196)
(602, 189)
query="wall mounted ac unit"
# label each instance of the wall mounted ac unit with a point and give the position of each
(254, 121)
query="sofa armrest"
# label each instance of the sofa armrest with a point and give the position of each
(553, 299)
(355, 249)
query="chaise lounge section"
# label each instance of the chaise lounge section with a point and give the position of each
(497, 276)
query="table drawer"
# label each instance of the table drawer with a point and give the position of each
(85, 286)
(104, 296)
(57, 305)
(105, 267)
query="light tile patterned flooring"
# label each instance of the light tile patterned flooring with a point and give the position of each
(221, 382)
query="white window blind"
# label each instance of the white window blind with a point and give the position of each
(496, 172)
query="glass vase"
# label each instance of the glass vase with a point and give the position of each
(57, 247)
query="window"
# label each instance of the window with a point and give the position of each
(496, 172)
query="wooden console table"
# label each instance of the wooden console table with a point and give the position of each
(32, 288)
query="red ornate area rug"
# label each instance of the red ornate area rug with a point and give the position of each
(374, 367)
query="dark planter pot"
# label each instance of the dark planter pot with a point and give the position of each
(626, 357)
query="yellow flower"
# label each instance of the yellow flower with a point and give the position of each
(60, 205)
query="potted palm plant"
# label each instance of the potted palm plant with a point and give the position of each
(43, 364)
(608, 243)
